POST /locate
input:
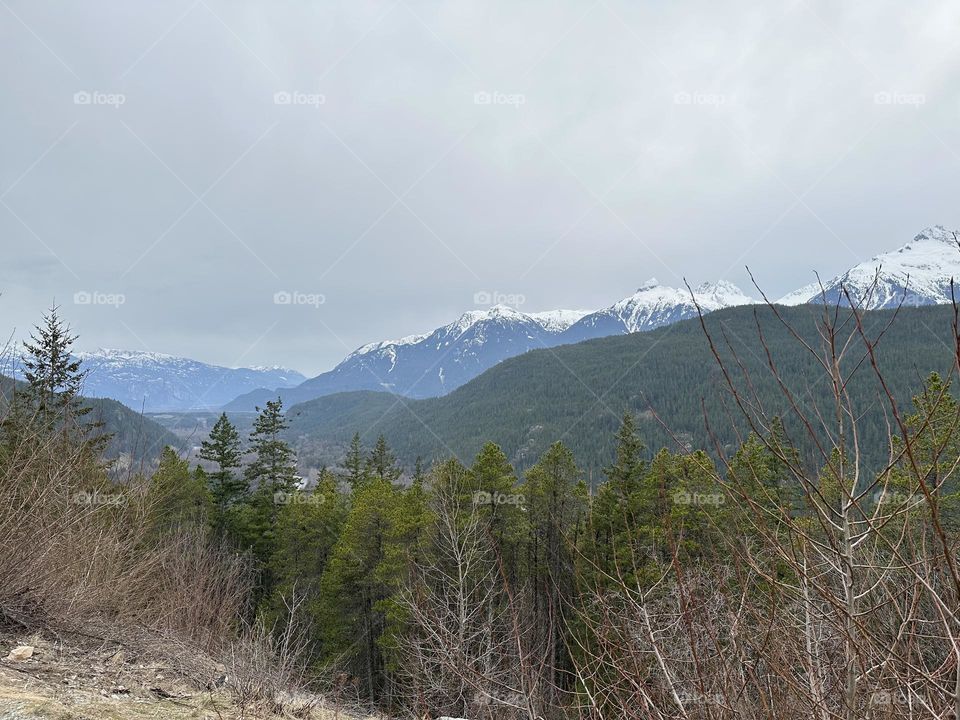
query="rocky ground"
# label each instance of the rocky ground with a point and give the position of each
(95, 679)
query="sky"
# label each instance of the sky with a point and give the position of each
(278, 182)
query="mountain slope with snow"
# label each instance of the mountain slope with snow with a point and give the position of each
(918, 273)
(652, 306)
(435, 363)
(157, 382)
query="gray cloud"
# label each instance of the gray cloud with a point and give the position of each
(562, 150)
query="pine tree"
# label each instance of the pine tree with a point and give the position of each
(556, 507)
(617, 510)
(382, 464)
(494, 494)
(307, 528)
(419, 475)
(176, 496)
(54, 376)
(223, 448)
(51, 400)
(272, 477)
(404, 539)
(274, 469)
(934, 432)
(357, 469)
(351, 613)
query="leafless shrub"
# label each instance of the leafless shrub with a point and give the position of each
(79, 550)
(839, 606)
(266, 668)
(468, 650)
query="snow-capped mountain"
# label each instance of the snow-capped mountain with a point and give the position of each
(918, 273)
(435, 363)
(156, 382)
(652, 306)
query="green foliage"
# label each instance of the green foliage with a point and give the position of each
(934, 453)
(272, 477)
(382, 463)
(223, 448)
(556, 505)
(177, 497)
(351, 616)
(492, 486)
(357, 469)
(273, 469)
(307, 527)
(49, 403)
(526, 403)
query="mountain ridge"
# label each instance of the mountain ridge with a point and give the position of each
(160, 382)
(577, 393)
(917, 273)
(435, 363)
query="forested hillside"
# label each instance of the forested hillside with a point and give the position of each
(473, 589)
(132, 435)
(577, 393)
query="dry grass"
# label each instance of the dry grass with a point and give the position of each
(78, 547)
(90, 562)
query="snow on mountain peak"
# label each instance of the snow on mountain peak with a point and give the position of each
(109, 354)
(654, 305)
(648, 285)
(558, 320)
(722, 293)
(937, 233)
(917, 273)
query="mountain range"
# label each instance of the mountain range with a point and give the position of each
(135, 441)
(437, 362)
(919, 273)
(668, 378)
(155, 382)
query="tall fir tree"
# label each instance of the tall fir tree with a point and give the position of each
(223, 448)
(307, 527)
(382, 464)
(357, 470)
(493, 492)
(273, 469)
(616, 510)
(272, 477)
(556, 501)
(177, 497)
(351, 611)
(51, 400)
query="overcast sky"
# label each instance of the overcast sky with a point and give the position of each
(167, 168)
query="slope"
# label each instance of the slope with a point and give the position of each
(577, 393)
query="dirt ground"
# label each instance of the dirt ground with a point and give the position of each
(102, 680)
